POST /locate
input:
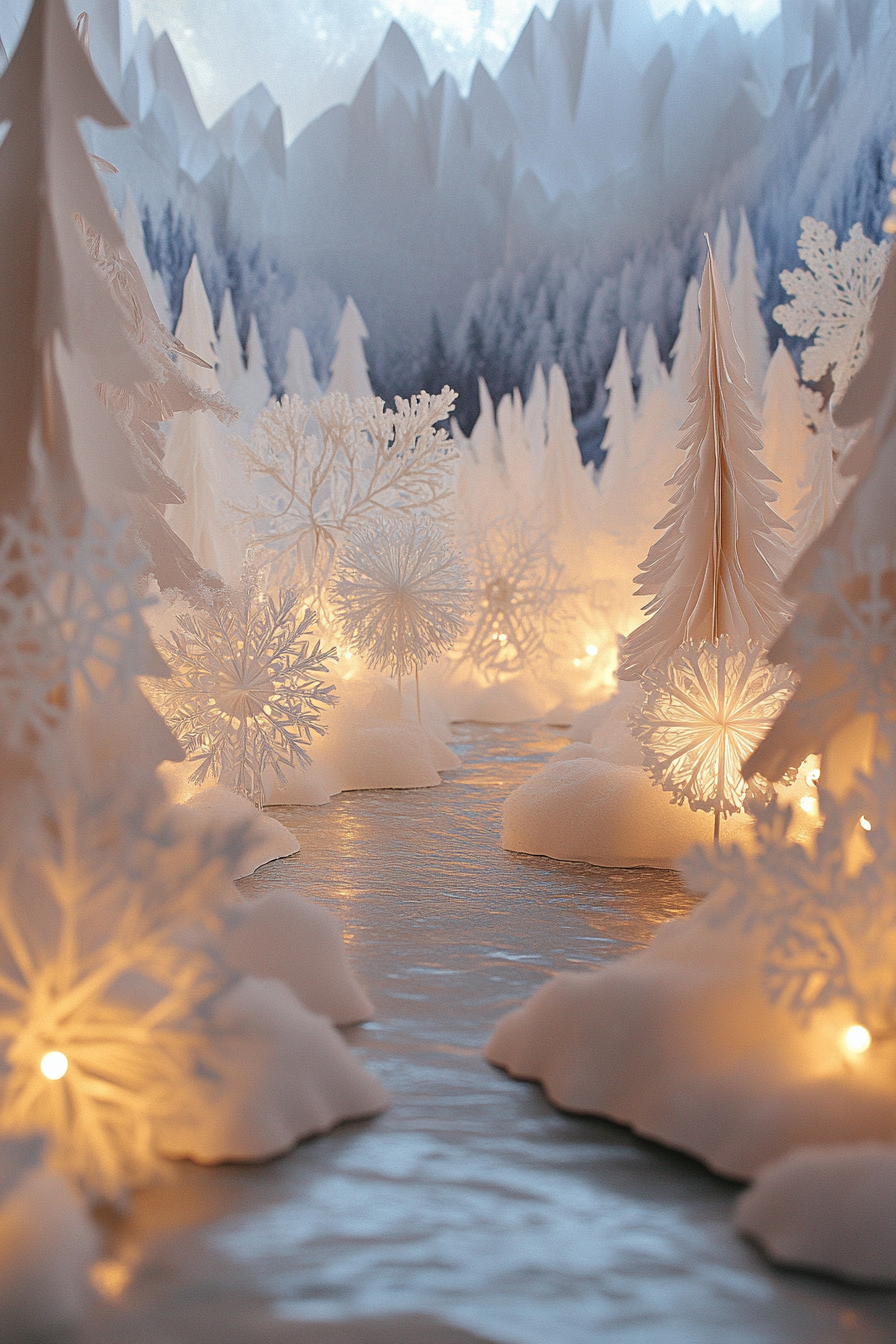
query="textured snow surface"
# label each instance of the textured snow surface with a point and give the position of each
(471, 1204)
(828, 1209)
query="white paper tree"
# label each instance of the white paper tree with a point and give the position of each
(231, 364)
(746, 319)
(620, 415)
(299, 380)
(687, 344)
(401, 594)
(348, 372)
(786, 432)
(327, 466)
(715, 570)
(832, 300)
(251, 389)
(197, 456)
(246, 687)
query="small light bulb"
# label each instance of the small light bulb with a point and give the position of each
(813, 777)
(808, 804)
(591, 650)
(865, 823)
(577, 662)
(857, 1039)
(54, 1065)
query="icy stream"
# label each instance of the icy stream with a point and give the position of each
(472, 1203)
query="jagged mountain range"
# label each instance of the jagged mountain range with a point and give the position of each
(477, 233)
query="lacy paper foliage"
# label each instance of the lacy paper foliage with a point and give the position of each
(326, 466)
(832, 299)
(516, 595)
(401, 593)
(103, 967)
(247, 687)
(705, 711)
(827, 925)
(70, 624)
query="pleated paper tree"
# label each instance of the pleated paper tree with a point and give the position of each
(713, 582)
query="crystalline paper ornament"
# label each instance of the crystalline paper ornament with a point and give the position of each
(516, 593)
(832, 300)
(246, 688)
(705, 711)
(327, 466)
(401, 594)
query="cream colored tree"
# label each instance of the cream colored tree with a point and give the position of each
(716, 568)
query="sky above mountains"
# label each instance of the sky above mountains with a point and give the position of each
(313, 53)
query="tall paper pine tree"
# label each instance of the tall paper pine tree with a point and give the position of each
(715, 570)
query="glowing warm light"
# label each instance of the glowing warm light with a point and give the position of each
(110, 1277)
(865, 823)
(54, 1065)
(813, 777)
(857, 1038)
(577, 662)
(591, 650)
(808, 804)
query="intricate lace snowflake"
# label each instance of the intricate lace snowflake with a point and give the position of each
(401, 593)
(104, 965)
(246, 687)
(832, 299)
(70, 624)
(328, 466)
(516, 598)
(846, 637)
(705, 711)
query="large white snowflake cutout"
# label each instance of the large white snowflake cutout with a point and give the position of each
(516, 598)
(70, 623)
(247, 687)
(705, 711)
(401, 593)
(105, 903)
(832, 299)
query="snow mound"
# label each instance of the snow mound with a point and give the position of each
(827, 1209)
(267, 838)
(594, 811)
(284, 937)
(284, 1073)
(47, 1244)
(680, 1042)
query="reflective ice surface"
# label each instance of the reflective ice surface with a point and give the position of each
(472, 1201)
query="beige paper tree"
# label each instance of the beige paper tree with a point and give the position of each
(717, 566)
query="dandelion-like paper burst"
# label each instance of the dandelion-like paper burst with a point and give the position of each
(70, 624)
(401, 593)
(516, 594)
(246, 688)
(104, 966)
(705, 711)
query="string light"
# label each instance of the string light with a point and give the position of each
(857, 1039)
(808, 804)
(591, 650)
(865, 823)
(54, 1065)
(813, 777)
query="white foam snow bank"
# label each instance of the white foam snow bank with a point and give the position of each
(369, 744)
(47, 1244)
(283, 1074)
(827, 1208)
(267, 838)
(285, 937)
(582, 807)
(680, 1042)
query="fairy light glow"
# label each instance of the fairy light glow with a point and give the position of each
(865, 823)
(808, 804)
(813, 777)
(857, 1039)
(54, 1065)
(591, 650)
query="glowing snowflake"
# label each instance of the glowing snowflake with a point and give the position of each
(70, 624)
(104, 966)
(832, 299)
(705, 711)
(826, 925)
(516, 598)
(401, 593)
(246, 687)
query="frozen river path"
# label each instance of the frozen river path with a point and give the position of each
(472, 1208)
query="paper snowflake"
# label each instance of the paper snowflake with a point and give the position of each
(826, 926)
(401, 593)
(832, 299)
(246, 687)
(516, 598)
(327, 466)
(70, 623)
(705, 711)
(104, 965)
